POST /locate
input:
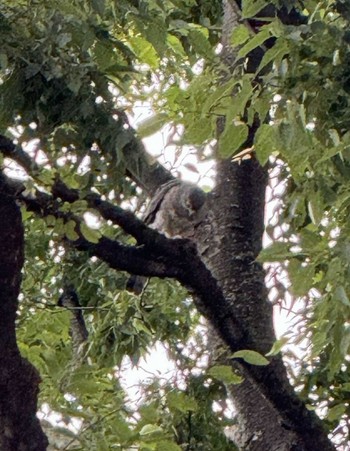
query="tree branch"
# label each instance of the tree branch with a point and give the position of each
(44, 203)
(143, 260)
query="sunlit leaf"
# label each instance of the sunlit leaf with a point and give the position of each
(239, 35)
(252, 357)
(90, 234)
(225, 374)
(251, 7)
(150, 429)
(277, 346)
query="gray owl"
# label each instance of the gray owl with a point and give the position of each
(174, 210)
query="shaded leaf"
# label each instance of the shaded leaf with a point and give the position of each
(180, 401)
(266, 142)
(151, 125)
(70, 232)
(232, 139)
(255, 42)
(277, 251)
(336, 412)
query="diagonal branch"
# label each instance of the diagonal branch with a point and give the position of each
(125, 219)
(141, 260)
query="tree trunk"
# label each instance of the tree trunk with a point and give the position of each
(270, 415)
(19, 427)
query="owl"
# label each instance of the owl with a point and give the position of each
(175, 210)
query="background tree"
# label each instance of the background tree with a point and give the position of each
(266, 78)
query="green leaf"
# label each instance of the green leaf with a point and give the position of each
(99, 6)
(149, 413)
(200, 42)
(122, 430)
(277, 346)
(152, 125)
(239, 35)
(150, 429)
(255, 42)
(182, 402)
(46, 177)
(311, 240)
(218, 100)
(89, 234)
(79, 206)
(3, 61)
(275, 54)
(59, 226)
(27, 214)
(335, 413)
(346, 386)
(230, 141)
(316, 207)
(275, 252)
(176, 45)
(252, 357)
(140, 326)
(50, 220)
(69, 230)
(238, 103)
(145, 51)
(198, 131)
(340, 295)
(301, 277)
(267, 143)
(225, 374)
(251, 7)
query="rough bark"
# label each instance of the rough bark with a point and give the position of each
(19, 427)
(270, 415)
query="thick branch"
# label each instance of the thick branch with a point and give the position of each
(157, 260)
(19, 380)
(125, 219)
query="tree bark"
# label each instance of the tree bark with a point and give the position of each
(19, 427)
(270, 415)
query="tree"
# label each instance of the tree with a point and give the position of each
(248, 85)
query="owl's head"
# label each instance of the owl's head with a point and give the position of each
(195, 198)
(190, 200)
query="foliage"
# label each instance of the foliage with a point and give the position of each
(69, 74)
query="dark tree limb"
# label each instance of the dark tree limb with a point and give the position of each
(142, 260)
(19, 381)
(44, 203)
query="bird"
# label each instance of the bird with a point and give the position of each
(174, 210)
